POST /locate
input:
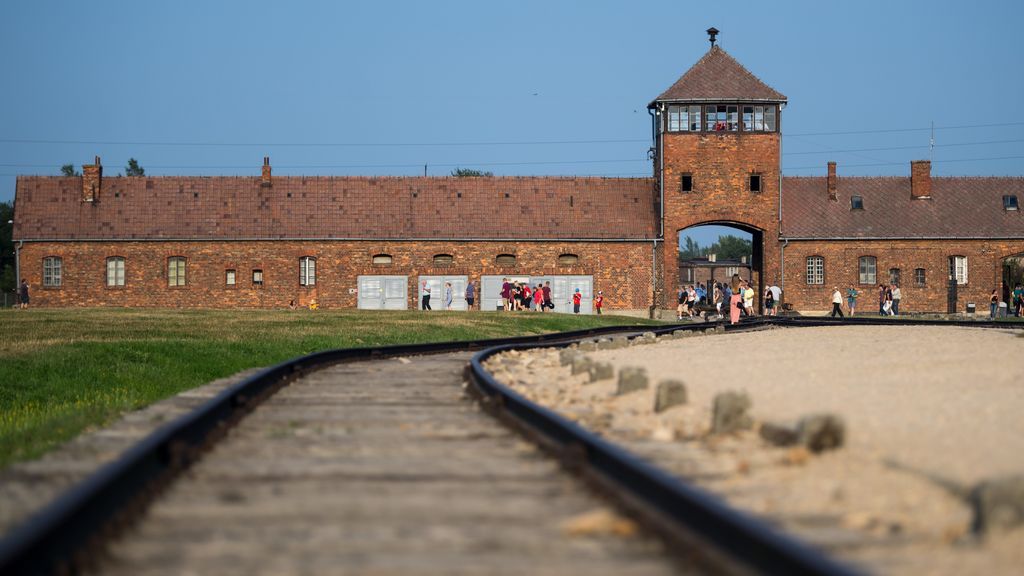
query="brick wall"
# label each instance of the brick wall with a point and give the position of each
(842, 261)
(621, 269)
(720, 164)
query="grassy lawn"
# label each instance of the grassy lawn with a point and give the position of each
(63, 371)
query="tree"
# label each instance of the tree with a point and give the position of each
(6, 247)
(727, 247)
(69, 170)
(133, 168)
(470, 173)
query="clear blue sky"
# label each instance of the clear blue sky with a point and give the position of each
(509, 83)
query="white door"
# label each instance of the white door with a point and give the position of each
(490, 293)
(396, 292)
(437, 289)
(371, 293)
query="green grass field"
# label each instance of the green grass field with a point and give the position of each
(64, 371)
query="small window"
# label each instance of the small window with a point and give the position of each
(443, 259)
(257, 277)
(229, 277)
(958, 269)
(382, 259)
(856, 203)
(687, 274)
(868, 270)
(307, 271)
(815, 269)
(53, 271)
(115, 271)
(894, 276)
(505, 260)
(568, 259)
(755, 183)
(176, 271)
(1010, 202)
(919, 276)
(687, 182)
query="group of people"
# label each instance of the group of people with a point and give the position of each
(735, 296)
(449, 295)
(889, 297)
(521, 296)
(1016, 303)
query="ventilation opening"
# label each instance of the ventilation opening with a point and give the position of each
(568, 259)
(505, 260)
(687, 181)
(382, 259)
(443, 259)
(755, 182)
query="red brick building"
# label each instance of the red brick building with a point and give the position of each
(377, 242)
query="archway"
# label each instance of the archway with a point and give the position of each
(1012, 275)
(713, 251)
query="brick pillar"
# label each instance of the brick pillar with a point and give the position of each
(921, 179)
(92, 179)
(832, 195)
(265, 178)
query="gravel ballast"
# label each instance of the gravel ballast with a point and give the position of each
(917, 418)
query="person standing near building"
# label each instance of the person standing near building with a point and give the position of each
(702, 295)
(538, 298)
(993, 304)
(717, 294)
(837, 303)
(425, 291)
(1018, 300)
(506, 292)
(748, 299)
(577, 298)
(851, 300)
(547, 296)
(23, 295)
(470, 294)
(881, 300)
(599, 302)
(769, 302)
(897, 295)
(887, 305)
(448, 296)
(680, 302)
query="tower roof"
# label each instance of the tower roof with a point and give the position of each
(718, 76)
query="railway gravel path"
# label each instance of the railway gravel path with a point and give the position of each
(380, 468)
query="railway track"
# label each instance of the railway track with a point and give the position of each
(67, 535)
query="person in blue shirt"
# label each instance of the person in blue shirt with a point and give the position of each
(702, 295)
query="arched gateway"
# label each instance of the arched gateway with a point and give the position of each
(717, 160)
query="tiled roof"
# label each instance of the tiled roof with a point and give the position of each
(959, 207)
(337, 207)
(718, 76)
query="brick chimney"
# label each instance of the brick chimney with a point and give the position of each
(832, 195)
(265, 179)
(920, 179)
(92, 179)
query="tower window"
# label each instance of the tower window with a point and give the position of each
(722, 118)
(856, 203)
(684, 118)
(1010, 202)
(755, 182)
(758, 118)
(687, 182)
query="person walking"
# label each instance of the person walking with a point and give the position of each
(735, 304)
(837, 303)
(425, 291)
(680, 302)
(881, 300)
(448, 296)
(769, 302)
(1018, 300)
(547, 296)
(506, 294)
(23, 295)
(718, 299)
(470, 295)
(897, 295)
(887, 304)
(851, 300)
(748, 299)
(538, 298)
(599, 302)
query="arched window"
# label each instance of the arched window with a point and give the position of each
(382, 259)
(868, 270)
(568, 259)
(505, 259)
(815, 269)
(53, 271)
(115, 271)
(176, 271)
(443, 259)
(307, 271)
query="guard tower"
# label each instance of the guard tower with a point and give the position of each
(717, 137)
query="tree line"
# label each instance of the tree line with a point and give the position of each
(727, 247)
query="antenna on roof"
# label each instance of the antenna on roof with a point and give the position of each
(931, 142)
(712, 32)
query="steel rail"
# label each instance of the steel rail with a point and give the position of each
(60, 537)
